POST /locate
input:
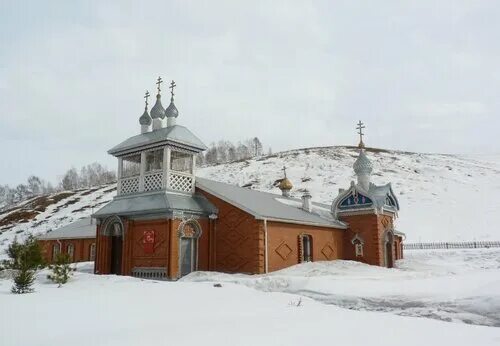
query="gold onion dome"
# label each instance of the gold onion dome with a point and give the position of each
(285, 184)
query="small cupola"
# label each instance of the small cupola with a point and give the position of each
(307, 201)
(171, 112)
(158, 112)
(285, 185)
(363, 167)
(145, 119)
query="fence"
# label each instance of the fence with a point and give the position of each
(451, 245)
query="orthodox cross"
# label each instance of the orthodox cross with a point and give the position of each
(284, 170)
(159, 81)
(360, 128)
(172, 86)
(146, 96)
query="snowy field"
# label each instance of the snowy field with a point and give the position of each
(458, 286)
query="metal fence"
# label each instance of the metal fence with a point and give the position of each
(451, 245)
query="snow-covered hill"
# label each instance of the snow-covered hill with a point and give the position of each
(442, 197)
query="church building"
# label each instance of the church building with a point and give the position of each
(166, 222)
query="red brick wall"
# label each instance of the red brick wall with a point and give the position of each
(239, 239)
(81, 246)
(165, 251)
(284, 248)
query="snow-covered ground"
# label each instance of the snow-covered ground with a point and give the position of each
(442, 197)
(448, 285)
(258, 310)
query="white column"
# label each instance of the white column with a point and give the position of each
(119, 175)
(166, 167)
(193, 172)
(143, 170)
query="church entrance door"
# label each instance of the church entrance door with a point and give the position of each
(188, 255)
(116, 254)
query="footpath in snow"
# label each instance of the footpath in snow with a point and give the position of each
(122, 311)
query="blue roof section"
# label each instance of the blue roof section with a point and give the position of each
(176, 134)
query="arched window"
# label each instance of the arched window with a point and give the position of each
(56, 250)
(70, 249)
(92, 252)
(306, 254)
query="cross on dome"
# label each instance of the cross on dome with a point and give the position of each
(360, 128)
(171, 87)
(159, 81)
(284, 170)
(146, 96)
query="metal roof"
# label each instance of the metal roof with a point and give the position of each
(83, 228)
(264, 205)
(156, 203)
(176, 134)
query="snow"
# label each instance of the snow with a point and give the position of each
(260, 310)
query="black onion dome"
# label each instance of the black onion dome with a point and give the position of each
(158, 111)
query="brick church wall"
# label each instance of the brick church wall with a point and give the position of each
(81, 246)
(284, 244)
(239, 239)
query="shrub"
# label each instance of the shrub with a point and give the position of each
(24, 260)
(61, 269)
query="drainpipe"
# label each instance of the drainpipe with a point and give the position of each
(266, 258)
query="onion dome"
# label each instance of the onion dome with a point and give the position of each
(362, 165)
(171, 111)
(158, 111)
(285, 184)
(145, 119)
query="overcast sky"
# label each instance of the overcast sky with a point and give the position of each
(423, 76)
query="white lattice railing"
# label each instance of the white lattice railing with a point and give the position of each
(153, 181)
(180, 182)
(129, 185)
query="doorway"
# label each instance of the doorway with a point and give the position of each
(188, 256)
(116, 254)
(389, 252)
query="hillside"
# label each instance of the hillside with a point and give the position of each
(442, 197)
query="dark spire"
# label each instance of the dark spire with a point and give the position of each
(145, 119)
(158, 111)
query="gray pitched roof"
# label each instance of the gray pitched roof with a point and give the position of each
(264, 205)
(177, 134)
(83, 228)
(156, 203)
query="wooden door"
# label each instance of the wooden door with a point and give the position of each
(116, 255)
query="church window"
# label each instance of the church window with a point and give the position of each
(306, 248)
(181, 162)
(71, 252)
(92, 252)
(56, 249)
(131, 165)
(154, 160)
